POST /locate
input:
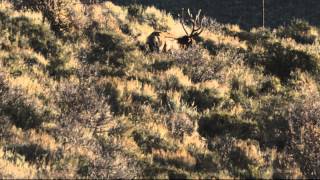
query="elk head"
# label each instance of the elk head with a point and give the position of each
(196, 28)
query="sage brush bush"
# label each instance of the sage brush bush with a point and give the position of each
(304, 134)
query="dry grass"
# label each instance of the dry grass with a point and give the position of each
(17, 170)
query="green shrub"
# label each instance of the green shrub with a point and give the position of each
(256, 36)
(15, 106)
(135, 12)
(161, 64)
(281, 61)
(299, 30)
(200, 66)
(147, 141)
(32, 153)
(286, 167)
(142, 99)
(176, 175)
(81, 104)
(180, 124)
(194, 64)
(157, 19)
(25, 33)
(241, 88)
(166, 102)
(57, 12)
(84, 167)
(21, 113)
(110, 48)
(271, 84)
(271, 117)
(304, 134)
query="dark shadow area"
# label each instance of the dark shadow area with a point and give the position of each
(148, 142)
(18, 112)
(14, 108)
(176, 162)
(152, 171)
(108, 48)
(32, 152)
(202, 99)
(206, 163)
(246, 13)
(224, 124)
(22, 115)
(161, 65)
(282, 61)
(141, 99)
(113, 98)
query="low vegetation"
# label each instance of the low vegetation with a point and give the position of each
(81, 96)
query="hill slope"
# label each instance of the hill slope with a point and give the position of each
(81, 97)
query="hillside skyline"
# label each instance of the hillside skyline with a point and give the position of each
(246, 13)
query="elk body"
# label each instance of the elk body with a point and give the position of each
(164, 41)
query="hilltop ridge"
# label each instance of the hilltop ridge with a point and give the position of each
(246, 13)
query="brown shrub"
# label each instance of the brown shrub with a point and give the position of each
(180, 124)
(304, 128)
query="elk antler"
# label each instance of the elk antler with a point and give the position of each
(196, 23)
(182, 21)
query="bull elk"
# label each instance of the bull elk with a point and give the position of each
(164, 41)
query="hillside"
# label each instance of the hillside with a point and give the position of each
(81, 96)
